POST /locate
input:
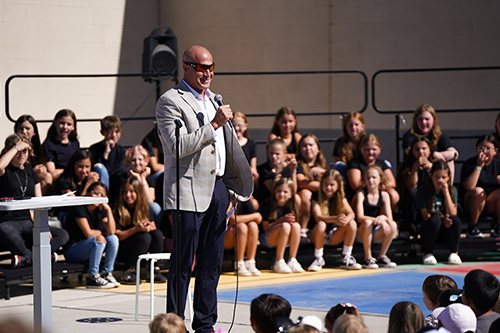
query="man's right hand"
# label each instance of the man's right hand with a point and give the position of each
(222, 116)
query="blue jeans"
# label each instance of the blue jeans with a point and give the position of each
(103, 173)
(155, 213)
(92, 250)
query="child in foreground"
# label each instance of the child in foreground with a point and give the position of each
(433, 286)
(167, 323)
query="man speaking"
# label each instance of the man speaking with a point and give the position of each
(211, 166)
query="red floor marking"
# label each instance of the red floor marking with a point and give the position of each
(492, 268)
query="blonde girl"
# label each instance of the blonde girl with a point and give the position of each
(437, 201)
(240, 125)
(334, 222)
(285, 128)
(280, 226)
(374, 214)
(61, 142)
(135, 230)
(346, 146)
(136, 165)
(425, 123)
(370, 147)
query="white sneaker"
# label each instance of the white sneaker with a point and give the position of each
(295, 266)
(280, 266)
(241, 269)
(316, 265)
(349, 262)
(251, 267)
(454, 259)
(429, 259)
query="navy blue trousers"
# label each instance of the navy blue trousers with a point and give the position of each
(201, 234)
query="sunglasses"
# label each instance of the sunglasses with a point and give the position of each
(201, 67)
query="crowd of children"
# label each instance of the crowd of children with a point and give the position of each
(299, 198)
(472, 309)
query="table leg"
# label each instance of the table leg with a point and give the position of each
(42, 272)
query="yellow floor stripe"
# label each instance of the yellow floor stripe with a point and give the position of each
(268, 278)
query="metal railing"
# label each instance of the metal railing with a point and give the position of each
(27, 76)
(425, 70)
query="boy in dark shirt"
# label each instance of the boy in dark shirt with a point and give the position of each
(480, 292)
(107, 154)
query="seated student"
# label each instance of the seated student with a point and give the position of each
(151, 142)
(248, 145)
(496, 133)
(437, 201)
(108, 154)
(334, 222)
(285, 128)
(18, 179)
(480, 179)
(91, 232)
(413, 173)
(279, 164)
(346, 145)
(348, 323)
(135, 230)
(338, 310)
(167, 323)
(370, 148)
(432, 287)
(61, 142)
(136, 165)
(425, 123)
(458, 318)
(26, 126)
(78, 175)
(246, 237)
(480, 292)
(405, 317)
(313, 164)
(264, 309)
(75, 180)
(374, 215)
(281, 227)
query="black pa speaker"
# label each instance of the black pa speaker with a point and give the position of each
(159, 56)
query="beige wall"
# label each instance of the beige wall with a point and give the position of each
(75, 37)
(350, 34)
(106, 36)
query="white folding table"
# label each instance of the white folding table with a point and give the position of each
(42, 267)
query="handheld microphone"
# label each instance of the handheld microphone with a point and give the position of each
(218, 100)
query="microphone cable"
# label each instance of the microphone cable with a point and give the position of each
(235, 233)
(218, 100)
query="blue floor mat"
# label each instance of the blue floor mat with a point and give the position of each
(371, 293)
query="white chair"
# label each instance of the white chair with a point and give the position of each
(154, 257)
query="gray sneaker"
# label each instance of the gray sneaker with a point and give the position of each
(349, 262)
(370, 263)
(385, 261)
(111, 279)
(98, 282)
